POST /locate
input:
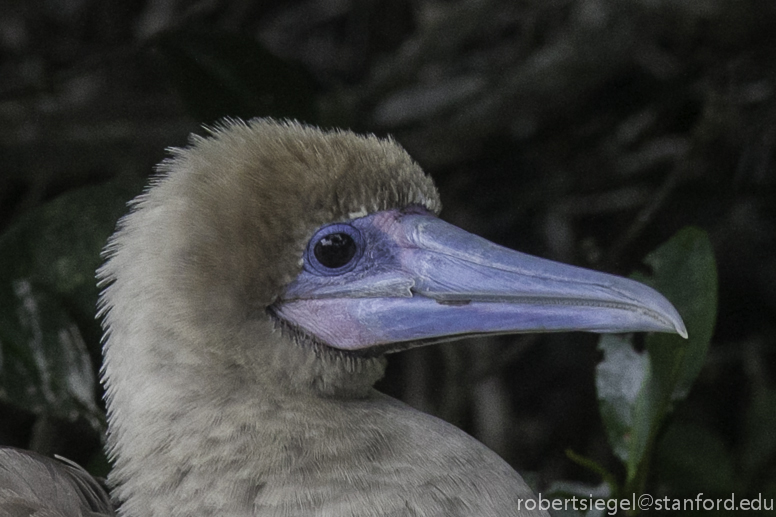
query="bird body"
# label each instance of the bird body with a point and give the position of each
(249, 298)
(369, 456)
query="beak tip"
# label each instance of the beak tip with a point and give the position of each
(681, 329)
(674, 321)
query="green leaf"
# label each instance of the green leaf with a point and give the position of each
(219, 74)
(59, 244)
(45, 366)
(637, 391)
(48, 297)
(685, 272)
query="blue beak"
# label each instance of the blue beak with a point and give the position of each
(415, 279)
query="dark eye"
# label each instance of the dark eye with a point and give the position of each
(335, 249)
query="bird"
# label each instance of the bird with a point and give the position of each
(249, 300)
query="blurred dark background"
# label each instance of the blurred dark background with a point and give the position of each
(585, 131)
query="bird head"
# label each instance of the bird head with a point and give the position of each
(330, 243)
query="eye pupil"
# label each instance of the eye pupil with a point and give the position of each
(335, 250)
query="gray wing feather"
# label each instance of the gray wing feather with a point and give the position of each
(36, 486)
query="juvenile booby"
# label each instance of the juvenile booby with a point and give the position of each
(249, 299)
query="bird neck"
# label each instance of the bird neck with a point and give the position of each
(181, 409)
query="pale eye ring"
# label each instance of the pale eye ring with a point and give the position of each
(335, 249)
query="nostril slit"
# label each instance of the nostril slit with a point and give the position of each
(454, 302)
